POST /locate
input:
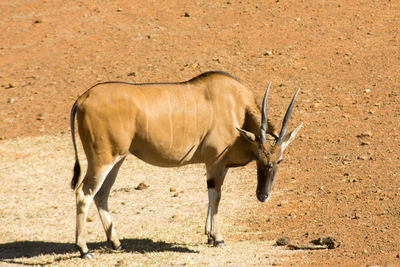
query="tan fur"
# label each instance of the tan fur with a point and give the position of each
(211, 119)
(167, 125)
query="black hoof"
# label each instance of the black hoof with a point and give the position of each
(210, 241)
(219, 244)
(87, 255)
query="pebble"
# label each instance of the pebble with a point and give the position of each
(283, 241)
(316, 105)
(366, 134)
(172, 189)
(365, 143)
(11, 100)
(142, 186)
(11, 85)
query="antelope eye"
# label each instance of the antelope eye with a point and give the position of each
(279, 161)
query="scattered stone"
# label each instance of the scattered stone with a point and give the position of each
(11, 85)
(330, 242)
(142, 186)
(133, 74)
(88, 219)
(119, 10)
(367, 90)
(186, 15)
(365, 134)
(173, 218)
(268, 53)
(39, 117)
(283, 241)
(172, 189)
(365, 143)
(175, 195)
(10, 100)
(316, 105)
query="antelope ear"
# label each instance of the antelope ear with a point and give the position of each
(247, 135)
(289, 137)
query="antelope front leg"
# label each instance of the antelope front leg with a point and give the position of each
(214, 196)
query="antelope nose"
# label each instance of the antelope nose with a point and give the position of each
(262, 197)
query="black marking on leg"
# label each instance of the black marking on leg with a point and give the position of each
(210, 183)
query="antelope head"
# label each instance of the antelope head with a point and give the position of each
(269, 148)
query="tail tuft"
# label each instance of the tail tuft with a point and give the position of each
(77, 173)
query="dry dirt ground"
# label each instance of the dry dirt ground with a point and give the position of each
(340, 177)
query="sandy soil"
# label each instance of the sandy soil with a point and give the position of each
(341, 175)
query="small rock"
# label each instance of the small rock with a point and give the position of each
(173, 218)
(11, 85)
(365, 134)
(119, 10)
(267, 53)
(316, 105)
(172, 189)
(142, 186)
(133, 74)
(88, 219)
(367, 90)
(365, 143)
(283, 241)
(175, 195)
(11, 100)
(330, 242)
(186, 15)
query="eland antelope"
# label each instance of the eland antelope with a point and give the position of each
(211, 119)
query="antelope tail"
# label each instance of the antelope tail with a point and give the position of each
(77, 167)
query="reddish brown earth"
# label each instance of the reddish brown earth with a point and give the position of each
(340, 177)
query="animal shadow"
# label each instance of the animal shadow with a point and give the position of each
(14, 251)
